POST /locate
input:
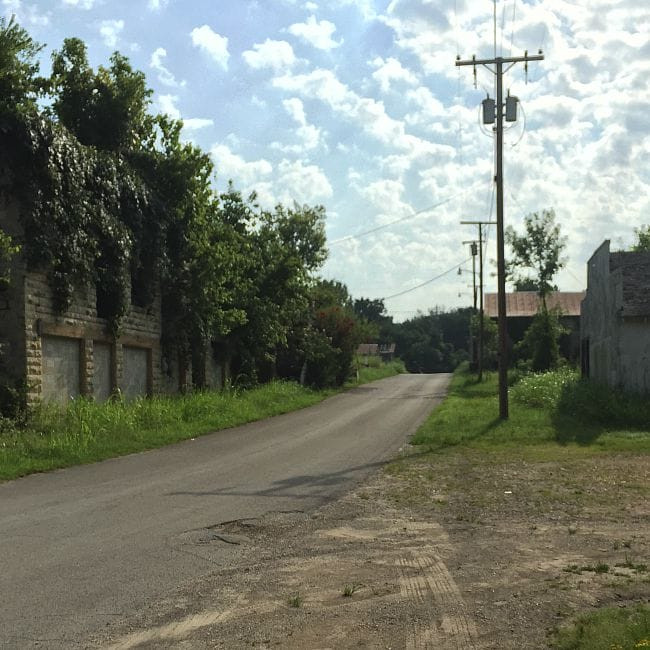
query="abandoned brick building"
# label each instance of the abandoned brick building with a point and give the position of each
(59, 356)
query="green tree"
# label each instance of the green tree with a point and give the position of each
(108, 108)
(374, 311)
(19, 83)
(642, 239)
(540, 343)
(537, 250)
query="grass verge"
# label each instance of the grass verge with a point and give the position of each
(548, 412)
(610, 628)
(84, 432)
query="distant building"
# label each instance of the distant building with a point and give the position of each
(615, 320)
(521, 307)
(386, 351)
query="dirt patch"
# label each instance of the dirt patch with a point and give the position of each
(462, 550)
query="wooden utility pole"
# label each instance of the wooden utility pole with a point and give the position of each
(488, 107)
(473, 247)
(481, 330)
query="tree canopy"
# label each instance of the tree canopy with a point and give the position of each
(642, 242)
(537, 253)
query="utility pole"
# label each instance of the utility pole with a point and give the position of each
(473, 248)
(488, 118)
(481, 330)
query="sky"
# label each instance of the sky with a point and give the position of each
(357, 105)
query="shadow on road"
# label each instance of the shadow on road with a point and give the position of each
(285, 486)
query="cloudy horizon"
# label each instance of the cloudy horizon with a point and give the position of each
(358, 106)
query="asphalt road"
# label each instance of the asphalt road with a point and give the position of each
(84, 547)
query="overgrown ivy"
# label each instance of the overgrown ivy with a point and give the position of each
(87, 216)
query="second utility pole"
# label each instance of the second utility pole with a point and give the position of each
(481, 332)
(498, 61)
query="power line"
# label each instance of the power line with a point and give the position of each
(423, 284)
(400, 220)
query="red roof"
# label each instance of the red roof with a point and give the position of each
(520, 304)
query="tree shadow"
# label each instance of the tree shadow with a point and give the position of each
(570, 429)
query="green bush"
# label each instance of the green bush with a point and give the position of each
(539, 346)
(543, 390)
(597, 403)
(584, 400)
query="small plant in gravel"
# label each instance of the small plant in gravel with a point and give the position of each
(349, 590)
(295, 600)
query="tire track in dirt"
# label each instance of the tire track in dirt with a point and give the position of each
(426, 580)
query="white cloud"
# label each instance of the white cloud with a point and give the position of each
(316, 33)
(155, 5)
(277, 55)
(368, 113)
(26, 14)
(302, 183)
(81, 4)
(167, 105)
(164, 75)
(308, 134)
(212, 43)
(110, 31)
(296, 109)
(232, 166)
(196, 123)
(390, 70)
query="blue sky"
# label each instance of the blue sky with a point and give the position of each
(357, 105)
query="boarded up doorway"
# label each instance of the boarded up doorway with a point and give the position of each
(61, 368)
(136, 374)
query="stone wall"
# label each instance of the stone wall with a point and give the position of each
(131, 363)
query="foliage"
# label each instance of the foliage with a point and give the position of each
(19, 84)
(543, 390)
(490, 338)
(422, 342)
(335, 336)
(540, 343)
(106, 109)
(598, 404)
(8, 249)
(373, 311)
(77, 202)
(610, 628)
(539, 250)
(642, 239)
(111, 196)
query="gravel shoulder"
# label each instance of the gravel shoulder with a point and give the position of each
(463, 549)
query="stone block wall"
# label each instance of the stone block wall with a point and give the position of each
(48, 336)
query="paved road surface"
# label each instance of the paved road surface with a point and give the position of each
(83, 547)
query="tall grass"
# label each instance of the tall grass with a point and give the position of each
(583, 400)
(550, 407)
(83, 431)
(53, 436)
